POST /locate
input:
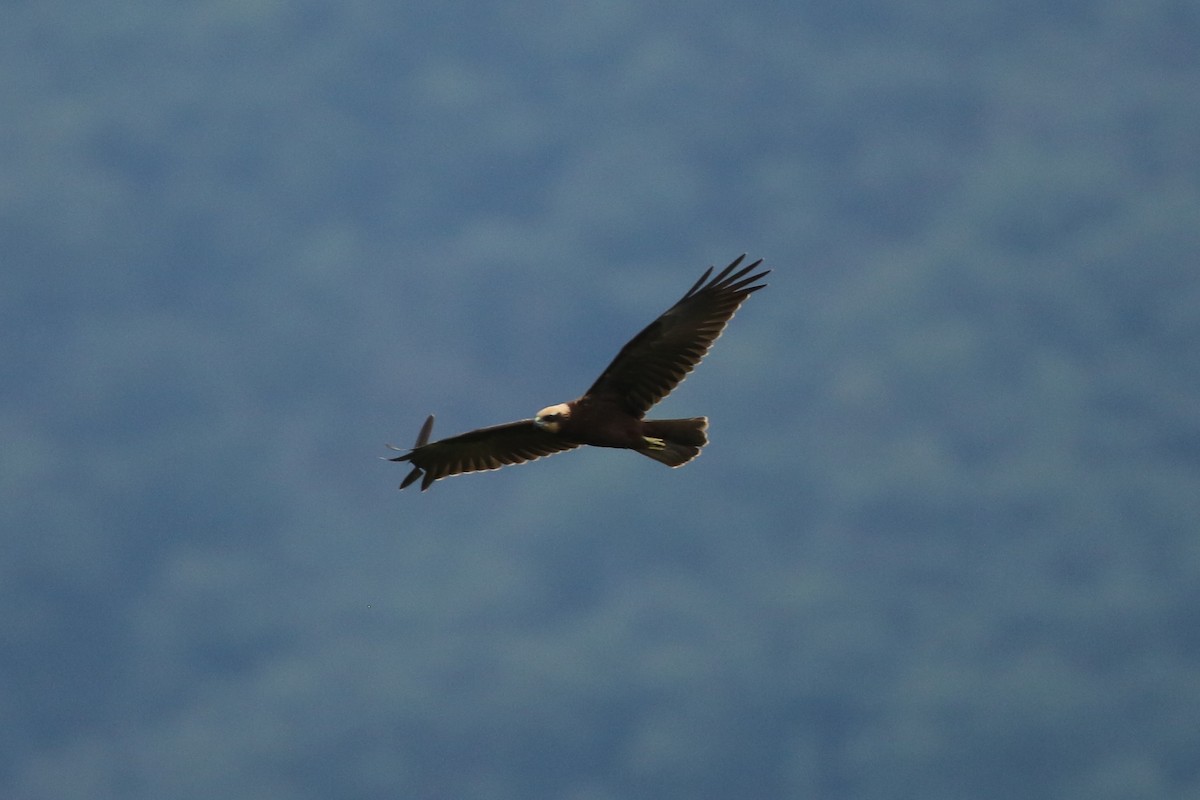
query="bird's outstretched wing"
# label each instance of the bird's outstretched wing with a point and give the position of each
(482, 449)
(657, 359)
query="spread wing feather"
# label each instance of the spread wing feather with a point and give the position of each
(656, 360)
(478, 450)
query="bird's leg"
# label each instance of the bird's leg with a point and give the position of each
(654, 443)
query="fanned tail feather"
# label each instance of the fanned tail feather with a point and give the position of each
(682, 439)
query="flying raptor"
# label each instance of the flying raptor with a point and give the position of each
(611, 412)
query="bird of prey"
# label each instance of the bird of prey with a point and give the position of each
(610, 413)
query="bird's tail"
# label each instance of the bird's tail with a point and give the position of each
(674, 442)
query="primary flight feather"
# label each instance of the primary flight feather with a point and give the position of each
(610, 413)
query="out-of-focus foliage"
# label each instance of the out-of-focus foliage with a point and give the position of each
(943, 543)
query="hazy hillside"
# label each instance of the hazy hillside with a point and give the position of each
(943, 543)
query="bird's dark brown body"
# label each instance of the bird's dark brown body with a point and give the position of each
(611, 413)
(600, 422)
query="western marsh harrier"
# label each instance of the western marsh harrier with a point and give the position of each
(610, 413)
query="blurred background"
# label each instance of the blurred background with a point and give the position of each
(944, 541)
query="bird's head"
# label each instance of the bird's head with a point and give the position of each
(551, 418)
